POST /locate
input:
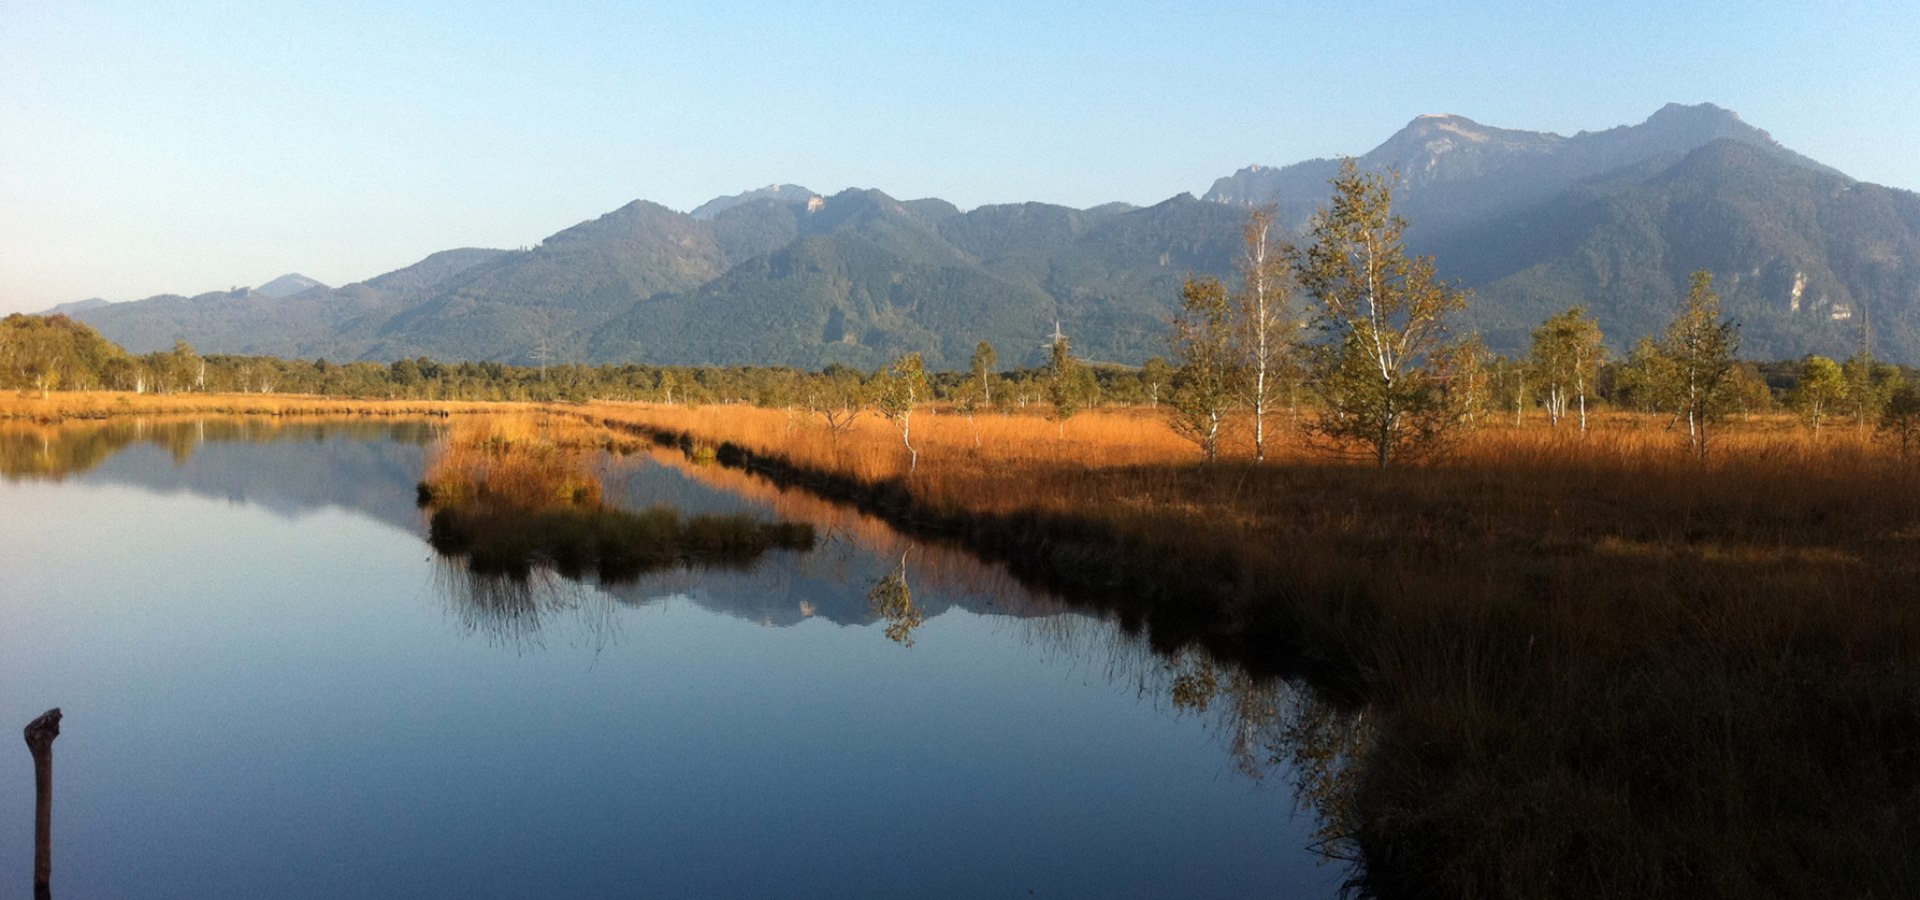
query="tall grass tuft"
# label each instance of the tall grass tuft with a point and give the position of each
(511, 494)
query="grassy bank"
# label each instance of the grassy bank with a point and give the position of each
(91, 405)
(508, 494)
(1597, 666)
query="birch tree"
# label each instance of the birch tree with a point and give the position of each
(838, 396)
(1822, 388)
(1381, 367)
(983, 361)
(1208, 372)
(1070, 386)
(1869, 382)
(1264, 314)
(1154, 378)
(1567, 352)
(899, 388)
(1698, 349)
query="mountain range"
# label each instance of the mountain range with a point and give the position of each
(1807, 259)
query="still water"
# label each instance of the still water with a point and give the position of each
(274, 687)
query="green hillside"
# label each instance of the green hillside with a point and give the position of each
(1809, 260)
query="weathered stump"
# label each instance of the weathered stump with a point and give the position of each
(40, 734)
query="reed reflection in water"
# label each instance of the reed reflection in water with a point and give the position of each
(1013, 729)
(509, 496)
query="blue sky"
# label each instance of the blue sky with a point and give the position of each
(193, 146)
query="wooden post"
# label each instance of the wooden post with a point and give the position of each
(40, 734)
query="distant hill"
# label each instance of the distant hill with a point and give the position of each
(341, 323)
(288, 285)
(785, 194)
(1808, 259)
(865, 277)
(77, 306)
(1455, 172)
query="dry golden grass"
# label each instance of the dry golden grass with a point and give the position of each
(936, 564)
(105, 404)
(1596, 665)
(518, 460)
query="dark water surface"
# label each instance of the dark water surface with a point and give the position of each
(274, 688)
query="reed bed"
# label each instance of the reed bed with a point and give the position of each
(937, 564)
(515, 492)
(84, 405)
(1596, 666)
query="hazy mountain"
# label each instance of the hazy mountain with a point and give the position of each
(77, 306)
(865, 277)
(288, 285)
(1807, 260)
(336, 322)
(778, 193)
(551, 298)
(1454, 171)
(1534, 222)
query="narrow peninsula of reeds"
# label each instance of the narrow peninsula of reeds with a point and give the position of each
(506, 496)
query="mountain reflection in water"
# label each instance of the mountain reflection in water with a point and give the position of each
(814, 562)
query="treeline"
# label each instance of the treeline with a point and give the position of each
(1361, 327)
(43, 354)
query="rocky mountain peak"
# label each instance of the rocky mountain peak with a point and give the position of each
(779, 193)
(287, 285)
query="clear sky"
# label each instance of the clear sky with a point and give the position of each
(188, 146)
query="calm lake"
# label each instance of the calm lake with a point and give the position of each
(275, 687)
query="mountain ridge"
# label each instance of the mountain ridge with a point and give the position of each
(1534, 221)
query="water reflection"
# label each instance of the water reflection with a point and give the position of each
(1269, 728)
(517, 516)
(289, 466)
(892, 600)
(509, 498)
(574, 580)
(520, 613)
(30, 451)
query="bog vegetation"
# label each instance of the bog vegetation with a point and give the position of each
(1640, 626)
(509, 494)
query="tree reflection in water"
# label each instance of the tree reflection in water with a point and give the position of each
(1269, 727)
(539, 482)
(524, 530)
(892, 600)
(30, 451)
